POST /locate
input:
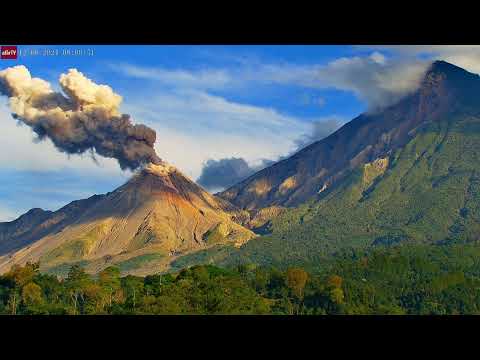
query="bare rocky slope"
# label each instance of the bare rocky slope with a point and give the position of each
(154, 217)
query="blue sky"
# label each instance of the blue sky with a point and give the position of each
(205, 102)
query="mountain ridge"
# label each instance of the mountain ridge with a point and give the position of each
(424, 190)
(367, 137)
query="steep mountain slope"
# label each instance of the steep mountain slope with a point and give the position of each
(425, 191)
(159, 211)
(37, 223)
(445, 89)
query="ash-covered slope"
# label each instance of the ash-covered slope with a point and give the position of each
(319, 166)
(159, 211)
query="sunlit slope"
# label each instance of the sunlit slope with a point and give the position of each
(445, 89)
(159, 211)
(426, 192)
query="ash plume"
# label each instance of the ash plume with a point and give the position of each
(86, 118)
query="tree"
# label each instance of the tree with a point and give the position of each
(261, 280)
(23, 274)
(335, 281)
(109, 280)
(200, 273)
(133, 287)
(296, 280)
(153, 283)
(13, 301)
(337, 296)
(32, 294)
(20, 275)
(94, 298)
(335, 291)
(76, 283)
(277, 284)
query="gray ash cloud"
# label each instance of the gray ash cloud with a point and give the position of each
(87, 119)
(223, 173)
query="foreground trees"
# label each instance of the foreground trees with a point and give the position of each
(403, 280)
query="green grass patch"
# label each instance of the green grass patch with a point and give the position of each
(138, 262)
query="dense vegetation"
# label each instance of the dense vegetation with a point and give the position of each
(413, 279)
(429, 193)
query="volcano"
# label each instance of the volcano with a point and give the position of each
(445, 90)
(407, 174)
(155, 216)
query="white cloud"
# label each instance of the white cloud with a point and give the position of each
(194, 126)
(320, 129)
(376, 79)
(7, 214)
(379, 58)
(205, 79)
(465, 56)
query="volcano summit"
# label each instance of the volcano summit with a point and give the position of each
(154, 217)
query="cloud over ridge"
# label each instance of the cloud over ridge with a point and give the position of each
(376, 79)
(220, 174)
(223, 173)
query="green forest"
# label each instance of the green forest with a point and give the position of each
(399, 280)
(428, 194)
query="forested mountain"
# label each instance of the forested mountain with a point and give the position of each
(446, 93)
(422, 186)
